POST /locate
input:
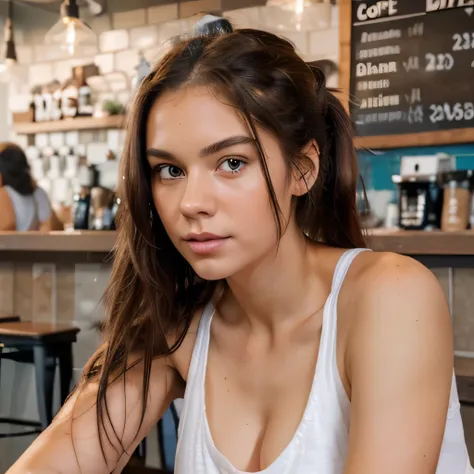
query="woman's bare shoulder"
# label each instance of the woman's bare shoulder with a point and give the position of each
(388, 289)
(374, 272)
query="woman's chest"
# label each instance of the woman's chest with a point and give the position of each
(256, 400)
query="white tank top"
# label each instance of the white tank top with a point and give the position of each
(321, 439)
(31, 210)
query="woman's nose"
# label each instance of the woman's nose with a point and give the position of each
(198, 197)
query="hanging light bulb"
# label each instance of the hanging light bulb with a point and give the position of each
(10, 59)
(70, 32)
(300, 15)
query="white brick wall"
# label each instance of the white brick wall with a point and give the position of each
(40, 74)
(298, 38)
(143, 37)
(152, 55)
(163, 13)
(129, 19)
(63, 69)
(25, 54)
(324, 43)
(172, 28)
(105, 62)
(127, 61)
(115, 40)
(191, 8)
(244, 17)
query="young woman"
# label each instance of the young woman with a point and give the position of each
(23, 205)
(241, 282)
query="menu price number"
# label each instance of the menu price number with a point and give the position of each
(416, 30)
(463, 41)
(439, 62)
(447, 113)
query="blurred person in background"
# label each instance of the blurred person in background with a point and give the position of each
(23, 204)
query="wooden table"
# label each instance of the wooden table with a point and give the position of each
(41, 344)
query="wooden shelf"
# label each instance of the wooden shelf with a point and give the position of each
(66, 125)
(440, 137)
(415, 242)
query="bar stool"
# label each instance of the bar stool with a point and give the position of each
(44, 345)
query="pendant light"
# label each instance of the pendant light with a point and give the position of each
(70, 32)
(300, 15)
(10, 58)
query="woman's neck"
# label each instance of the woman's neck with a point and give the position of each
(285, 286)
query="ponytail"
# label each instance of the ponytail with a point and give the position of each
(332, 201)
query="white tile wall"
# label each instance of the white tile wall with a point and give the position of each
(105, 62)
(101, 23)
(40, 74)
(25, 54)
(153, 54)
(127, 61)
(63, 69)
(143, 37)
(163, 13)
(19, 102)
(298, 38)
(72, 138)
(124, 97)
(129, 19)
(191, 8)
(171, 29)
(324, 43)
(244, 17)
(114, 40)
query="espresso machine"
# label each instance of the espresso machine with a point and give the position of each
(420, 195)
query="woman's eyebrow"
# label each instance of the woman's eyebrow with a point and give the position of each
(225, 143)
(208, 150)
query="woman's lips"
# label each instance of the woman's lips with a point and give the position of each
(203, 247)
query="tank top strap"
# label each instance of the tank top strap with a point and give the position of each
(198, 363)
(201, 345)
(342, 267)
(327, 353)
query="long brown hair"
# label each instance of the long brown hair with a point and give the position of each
(153, 291)
(15, 169)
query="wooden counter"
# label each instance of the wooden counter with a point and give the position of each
(405, 242)
(422, 243)
(77, 241)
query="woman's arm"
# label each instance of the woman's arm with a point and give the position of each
(7, 213)
(53, 223)
(70, 445)
(400, 360)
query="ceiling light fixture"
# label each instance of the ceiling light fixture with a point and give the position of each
(301, 15)
(70, 32)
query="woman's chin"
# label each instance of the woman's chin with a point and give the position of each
(212, 270)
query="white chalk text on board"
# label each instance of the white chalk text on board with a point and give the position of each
(379, 9)
(412, 66)
(433, 5)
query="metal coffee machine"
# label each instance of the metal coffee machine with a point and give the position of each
(420, 195)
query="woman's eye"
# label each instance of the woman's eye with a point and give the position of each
(169, 172)
(232, 165)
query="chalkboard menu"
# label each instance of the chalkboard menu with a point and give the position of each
(412, 66)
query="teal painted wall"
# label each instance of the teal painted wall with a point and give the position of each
(377, 169)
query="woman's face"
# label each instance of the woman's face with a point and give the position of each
(208, 184)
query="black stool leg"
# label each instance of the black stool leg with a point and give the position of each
(65, 370)
(44, 371)
(1, 350)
